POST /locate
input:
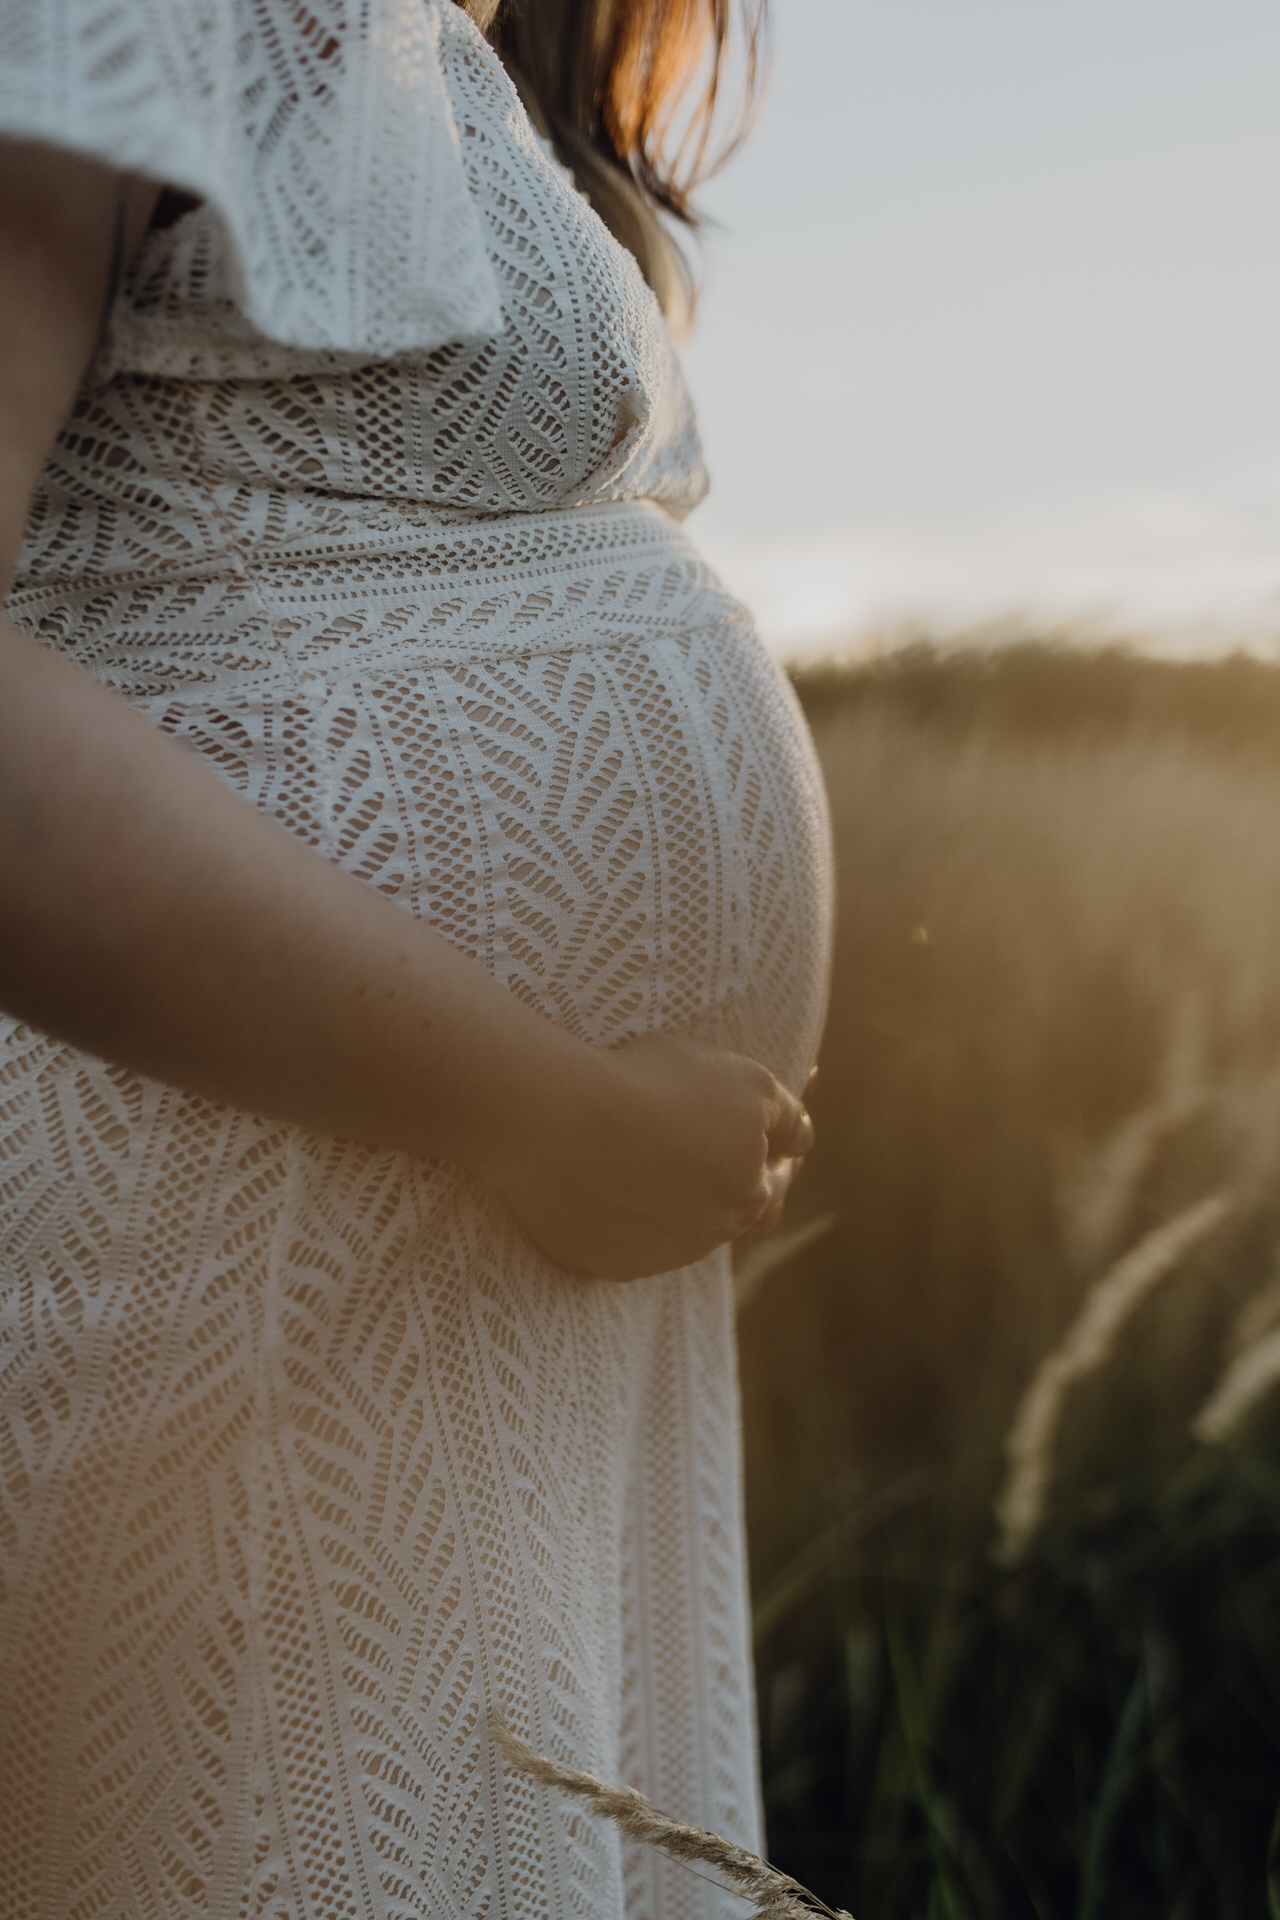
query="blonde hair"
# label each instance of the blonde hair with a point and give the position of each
(627, 91)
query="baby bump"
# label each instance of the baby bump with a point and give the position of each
(628, 830)
(632, 837)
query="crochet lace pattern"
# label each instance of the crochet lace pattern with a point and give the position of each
(308, 1461)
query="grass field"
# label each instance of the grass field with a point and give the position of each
(1013, 1430)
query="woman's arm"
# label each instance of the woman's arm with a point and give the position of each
(153, 918)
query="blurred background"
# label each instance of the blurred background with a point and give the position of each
(985, 365)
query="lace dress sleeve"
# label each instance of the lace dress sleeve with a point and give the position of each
(319, 136)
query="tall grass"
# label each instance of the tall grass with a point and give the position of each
(1012, 1427)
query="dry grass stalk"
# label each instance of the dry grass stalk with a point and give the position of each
(1086, 1347)
(1252, 1369)
(1099, 1183)
(775, 1895)
(1248, 1377)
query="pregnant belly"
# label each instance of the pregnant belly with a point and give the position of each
(632, 837)
(617, 813)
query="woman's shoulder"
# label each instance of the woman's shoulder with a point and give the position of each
(337, 213)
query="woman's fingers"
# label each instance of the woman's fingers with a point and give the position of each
(771, 1195)
(790, 1135)
(780, 1174)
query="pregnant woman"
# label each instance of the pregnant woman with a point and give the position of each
(413, 931)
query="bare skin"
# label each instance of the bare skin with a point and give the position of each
(152, 918)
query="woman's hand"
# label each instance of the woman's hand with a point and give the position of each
(646, 1157)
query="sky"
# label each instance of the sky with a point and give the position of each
(990, 325)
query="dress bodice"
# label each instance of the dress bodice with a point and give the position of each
(197, 429)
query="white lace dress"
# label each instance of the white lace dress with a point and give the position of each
(307, 1459)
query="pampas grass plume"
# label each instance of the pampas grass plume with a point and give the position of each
(1085, 1348)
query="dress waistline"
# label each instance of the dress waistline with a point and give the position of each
(396, 586)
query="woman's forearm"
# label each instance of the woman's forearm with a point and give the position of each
(145, 912)
(154, 918)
